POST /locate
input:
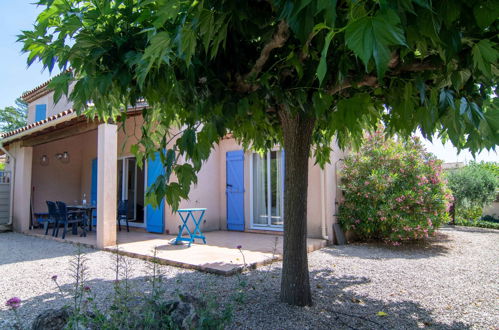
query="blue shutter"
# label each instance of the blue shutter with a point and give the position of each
(235, 190)
(40, 112)
(155, 216)
(93, 191)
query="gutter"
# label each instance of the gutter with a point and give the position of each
(12, 181)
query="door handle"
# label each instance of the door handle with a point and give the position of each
(229, 185)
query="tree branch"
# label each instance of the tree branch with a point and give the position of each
(278, 40)
(372, 81)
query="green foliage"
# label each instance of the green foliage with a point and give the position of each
(214, 67)
(477, 223)
(474, 185)
(2, 166)
(393, 191)
(132, 305)
(492, 167)
(469, 213)
(14, 117)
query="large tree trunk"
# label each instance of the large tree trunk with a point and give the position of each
(297, 133)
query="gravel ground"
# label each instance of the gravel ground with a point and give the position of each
(450, 282)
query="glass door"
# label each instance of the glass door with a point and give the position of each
(131, 188)
(268, 190)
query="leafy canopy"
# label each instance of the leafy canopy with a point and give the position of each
(13, 117)
(214, 67)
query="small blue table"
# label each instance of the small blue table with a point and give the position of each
(185, 215)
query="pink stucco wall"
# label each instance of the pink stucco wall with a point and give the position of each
(68, 182)
(59, 181)
(314, 205)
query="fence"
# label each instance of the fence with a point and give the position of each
(5, 179)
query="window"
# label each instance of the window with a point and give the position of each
(40, 112)
(268, 190)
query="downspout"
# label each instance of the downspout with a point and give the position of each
(12, 180)
(323, 204)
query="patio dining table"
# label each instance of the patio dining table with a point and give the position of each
(87, 209)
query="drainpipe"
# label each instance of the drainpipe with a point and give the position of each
(12, 180)
(323, 204)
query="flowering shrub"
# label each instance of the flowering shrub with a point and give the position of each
(393, 191)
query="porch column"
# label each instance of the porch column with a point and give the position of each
(107, 151)
(22, 187)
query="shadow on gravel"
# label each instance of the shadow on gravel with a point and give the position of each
(16, 248)
(256, 303)
(473, 229)
(435, 246)
(350, 310)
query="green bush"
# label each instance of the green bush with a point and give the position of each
(477, 223)
(473, 187)
(393, 191)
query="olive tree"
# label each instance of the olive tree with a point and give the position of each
(295, 73)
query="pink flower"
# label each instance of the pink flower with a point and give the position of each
(13, 302)
(366, 183)
(396, 243)
(357, 221)
(86, 289)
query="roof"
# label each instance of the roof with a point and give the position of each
(40, 90)
(55, 121)
(37, 123)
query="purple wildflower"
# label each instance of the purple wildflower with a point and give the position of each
(239, 247)
(54, 277)
(86, 289)
(14, 302)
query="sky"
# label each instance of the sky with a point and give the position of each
(16, 77)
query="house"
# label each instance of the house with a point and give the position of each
(61, 155)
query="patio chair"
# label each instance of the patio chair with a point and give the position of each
(73, 218)
(123, 214)
(51, 217)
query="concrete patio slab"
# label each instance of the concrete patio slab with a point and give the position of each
(219, 255)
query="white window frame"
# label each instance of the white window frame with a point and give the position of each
(269, 225)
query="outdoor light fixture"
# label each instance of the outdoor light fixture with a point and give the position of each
(63, 157)
(44, 160)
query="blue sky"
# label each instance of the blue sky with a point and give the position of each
(16, 15)
(16, 77)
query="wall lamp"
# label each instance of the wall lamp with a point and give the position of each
(63, 157)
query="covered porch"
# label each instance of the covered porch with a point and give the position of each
(80, 163)
(220, 254)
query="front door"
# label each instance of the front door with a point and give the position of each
(235, 190)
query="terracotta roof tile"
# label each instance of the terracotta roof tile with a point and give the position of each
(38, 123)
